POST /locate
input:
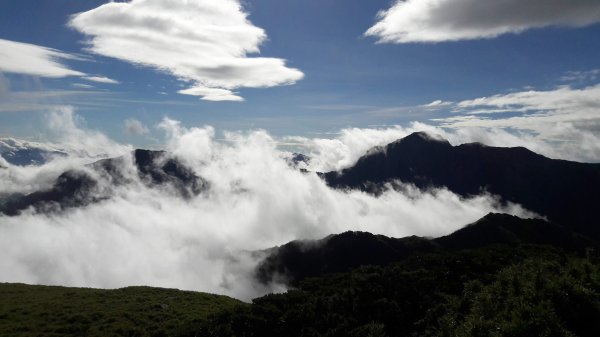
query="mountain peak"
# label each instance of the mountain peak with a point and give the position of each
(418, 142)
(422, 137)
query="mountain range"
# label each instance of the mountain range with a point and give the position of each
(563, 192)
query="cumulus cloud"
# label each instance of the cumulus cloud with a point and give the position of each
(560, 123)
(135, 127)
(150, 236)
(452, 20)
(68, 129)
(204, 42)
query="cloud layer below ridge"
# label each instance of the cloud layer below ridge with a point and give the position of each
(149, 235)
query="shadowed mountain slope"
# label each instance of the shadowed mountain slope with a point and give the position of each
(298, 260)
(336, 253)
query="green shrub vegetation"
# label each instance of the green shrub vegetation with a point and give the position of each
(44, 311)
(533, 298)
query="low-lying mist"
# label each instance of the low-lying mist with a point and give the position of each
(149, 235)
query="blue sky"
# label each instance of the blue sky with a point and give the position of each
(349, 79)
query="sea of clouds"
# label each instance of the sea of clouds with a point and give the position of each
(151, 236)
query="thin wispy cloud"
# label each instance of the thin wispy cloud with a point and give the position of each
(82, 86)
(133, 126)
(204, 43)
(43, 100)
(437, 104)
(101, 79)
(581, 76)
(453, 20)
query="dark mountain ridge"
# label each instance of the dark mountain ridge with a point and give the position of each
(297, 260)
(76, 188)
(565, 192)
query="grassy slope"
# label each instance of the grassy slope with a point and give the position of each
(27, 310)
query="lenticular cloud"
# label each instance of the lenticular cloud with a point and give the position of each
(149, 235)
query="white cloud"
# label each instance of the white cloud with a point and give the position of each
(452, 20)
(30, 59)
(437, 104)
(205, 42)
(135, 127)
(66, 128)
(34, 60)
(212, 94)
(101, 79)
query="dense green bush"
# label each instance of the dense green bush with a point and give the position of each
(533, 298)
(497, 291)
